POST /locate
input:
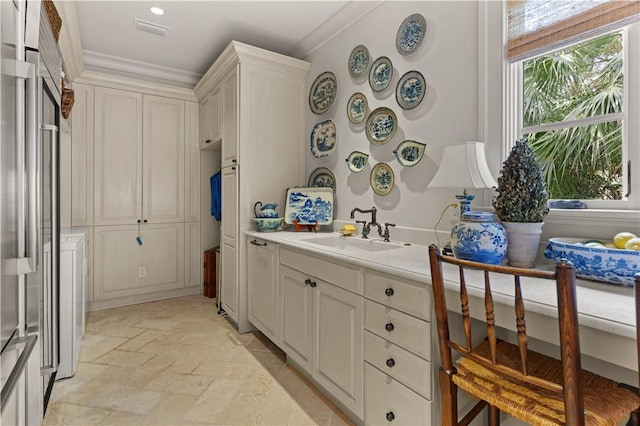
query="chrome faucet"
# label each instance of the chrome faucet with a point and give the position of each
(366, 227)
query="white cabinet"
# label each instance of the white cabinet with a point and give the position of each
(211, 119)
(263, 118)
(229, 290)
(139, 158)
(262, 278)
(118, 157)
(398, 351)
(296, 312)
(192, 255)
(124, 268)
(322, 324)
(192, 163)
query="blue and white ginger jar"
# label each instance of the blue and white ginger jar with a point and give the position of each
(477, 237)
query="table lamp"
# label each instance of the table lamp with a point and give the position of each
(463, 165)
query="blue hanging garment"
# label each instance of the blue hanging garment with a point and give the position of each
(216, 201)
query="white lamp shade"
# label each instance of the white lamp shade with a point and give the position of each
(463, 165)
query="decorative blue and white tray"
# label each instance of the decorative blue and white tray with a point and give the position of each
(309, 206)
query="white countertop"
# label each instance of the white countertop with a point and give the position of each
(606, 312)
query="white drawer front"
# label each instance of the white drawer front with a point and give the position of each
(387, 402)
(404, 330)
(410, 370)
(332, 272)
(404, 295)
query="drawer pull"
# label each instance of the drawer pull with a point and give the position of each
(313, 284)
(391, 362)
(310, 283)
(389, 327)
(256, 243)
(390, 416)
(389, 292)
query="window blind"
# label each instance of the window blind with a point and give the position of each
(538, 26)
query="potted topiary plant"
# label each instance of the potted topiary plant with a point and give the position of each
(521, 204)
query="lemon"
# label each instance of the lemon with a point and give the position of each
(633, 244)
(621, 239)
(609, 244)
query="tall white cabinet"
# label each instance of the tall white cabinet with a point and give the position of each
(136, 187)
(263, 104)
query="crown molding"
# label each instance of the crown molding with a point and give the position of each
(138, 85)
(69, 42)
(333, 26)
(100, 62)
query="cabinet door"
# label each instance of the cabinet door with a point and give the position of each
(230, 119)
(163, 166)
(215, 113)
(124, 268)
(118, 157)
(205, 122)
(82, 156)
(228, 243)
(262, 280)
(192, 163)
(295, 310)
(338, 341)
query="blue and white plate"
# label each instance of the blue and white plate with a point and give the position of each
(357, 161)
(411, 34)
(410, 90)
(380, 74)
(309, 205)
(323, 93)
(382, 179)
(381, 125)
(322, 178)
(409, 153)
(323, 139)
(359, 61)
(357, 108)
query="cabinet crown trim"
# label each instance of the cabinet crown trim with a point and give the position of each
(140, 86)
(237, 52)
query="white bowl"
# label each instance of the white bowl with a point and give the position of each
(268, 224)
(609, 265)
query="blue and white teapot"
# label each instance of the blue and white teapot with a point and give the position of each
(266, 210)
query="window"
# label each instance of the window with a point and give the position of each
(573, 114)
(577, 95)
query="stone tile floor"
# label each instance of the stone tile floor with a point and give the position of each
(176, 362)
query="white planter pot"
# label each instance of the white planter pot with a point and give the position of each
(524, 240)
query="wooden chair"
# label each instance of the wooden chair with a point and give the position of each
(508, 377)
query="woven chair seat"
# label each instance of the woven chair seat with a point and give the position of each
(604, 402)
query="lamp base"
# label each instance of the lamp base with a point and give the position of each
(465, 202)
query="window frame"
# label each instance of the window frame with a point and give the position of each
(630, 122)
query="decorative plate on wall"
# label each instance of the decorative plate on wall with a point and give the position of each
(322, 178)
(409, 153)
(309, 205)
(323, 93)
(357, 161)
(357, 108)
(381, 125)
(359, 61)
(382, 179)
(411, 34)
(323, 139)
(410, 90)
(380, 74)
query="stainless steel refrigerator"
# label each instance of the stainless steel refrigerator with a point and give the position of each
(29, 210)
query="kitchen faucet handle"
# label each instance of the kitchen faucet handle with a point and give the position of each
(386, 231)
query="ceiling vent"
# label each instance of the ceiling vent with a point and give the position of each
(150, 27)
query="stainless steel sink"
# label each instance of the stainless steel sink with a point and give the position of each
(353, 244)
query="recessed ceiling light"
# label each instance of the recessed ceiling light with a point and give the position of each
(157, 10)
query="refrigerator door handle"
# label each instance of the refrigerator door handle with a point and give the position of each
(16, 372)
(32, 156)
(55, 242)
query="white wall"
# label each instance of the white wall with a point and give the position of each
(448, 58)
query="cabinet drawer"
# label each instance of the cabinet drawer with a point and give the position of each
(404, 330)
(387, 402)
(404, 295)
(410, 370)
(332, 272)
